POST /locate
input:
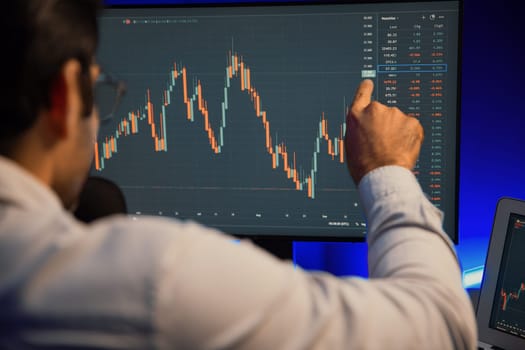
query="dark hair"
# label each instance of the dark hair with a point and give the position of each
(40, 36)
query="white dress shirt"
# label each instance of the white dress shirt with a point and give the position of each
(159, 283)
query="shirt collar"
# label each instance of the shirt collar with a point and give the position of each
(19, 187)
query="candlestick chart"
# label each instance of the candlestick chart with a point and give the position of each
(513, 296)
(183, 105)
(197, 106)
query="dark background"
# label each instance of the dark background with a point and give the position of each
(492, 130)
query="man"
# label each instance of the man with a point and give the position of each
(160, 283)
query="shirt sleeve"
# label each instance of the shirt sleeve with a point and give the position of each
(214, 293)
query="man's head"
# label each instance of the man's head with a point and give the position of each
(48, 121)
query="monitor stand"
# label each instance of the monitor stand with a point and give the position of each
(281, 248)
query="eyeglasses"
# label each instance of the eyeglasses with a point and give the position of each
(108, 93)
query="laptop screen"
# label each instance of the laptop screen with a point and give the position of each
(508, 310)
(501, 307)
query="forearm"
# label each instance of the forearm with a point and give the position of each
(411, 259)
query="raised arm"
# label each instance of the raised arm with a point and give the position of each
(216, 294)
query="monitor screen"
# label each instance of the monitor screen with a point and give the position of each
(234, 114)
(508, 310)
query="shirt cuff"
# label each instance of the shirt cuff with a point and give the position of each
(385, 180)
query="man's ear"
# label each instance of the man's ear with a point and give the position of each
(63, 96)
(58, 107)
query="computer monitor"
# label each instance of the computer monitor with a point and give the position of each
(235, 113)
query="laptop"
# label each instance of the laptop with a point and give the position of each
(501, 306)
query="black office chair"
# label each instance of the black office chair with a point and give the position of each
(100, 197)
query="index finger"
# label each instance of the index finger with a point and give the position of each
(363, 95)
